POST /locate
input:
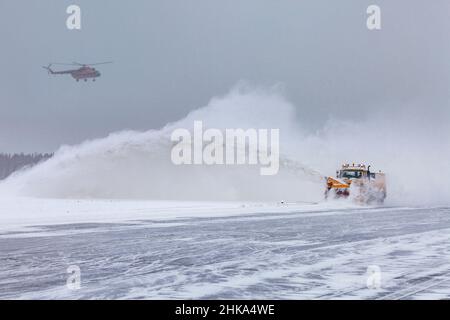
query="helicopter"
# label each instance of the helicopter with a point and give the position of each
(84, 72)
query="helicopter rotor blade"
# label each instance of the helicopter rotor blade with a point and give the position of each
(81, 64)
(63, 64)
(107, 62)
(95, 64)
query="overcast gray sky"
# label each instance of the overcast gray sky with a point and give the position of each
(173, 56)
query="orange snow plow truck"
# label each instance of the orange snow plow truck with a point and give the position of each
(358, 182)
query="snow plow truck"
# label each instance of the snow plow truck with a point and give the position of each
(357, 181)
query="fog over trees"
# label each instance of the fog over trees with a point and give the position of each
(10, 163)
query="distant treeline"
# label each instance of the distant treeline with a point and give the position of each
(13, 162)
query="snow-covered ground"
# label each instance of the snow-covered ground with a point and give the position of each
(151, 250)
(27, 213)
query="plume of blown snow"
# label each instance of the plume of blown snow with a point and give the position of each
(137, 164)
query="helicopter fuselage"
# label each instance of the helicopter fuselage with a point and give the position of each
(85, 73)
(82, 73)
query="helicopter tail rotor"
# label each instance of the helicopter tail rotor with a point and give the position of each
(48, 68)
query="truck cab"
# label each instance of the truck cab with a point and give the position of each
(368, 185)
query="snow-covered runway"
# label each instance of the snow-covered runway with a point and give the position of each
(239, 252)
